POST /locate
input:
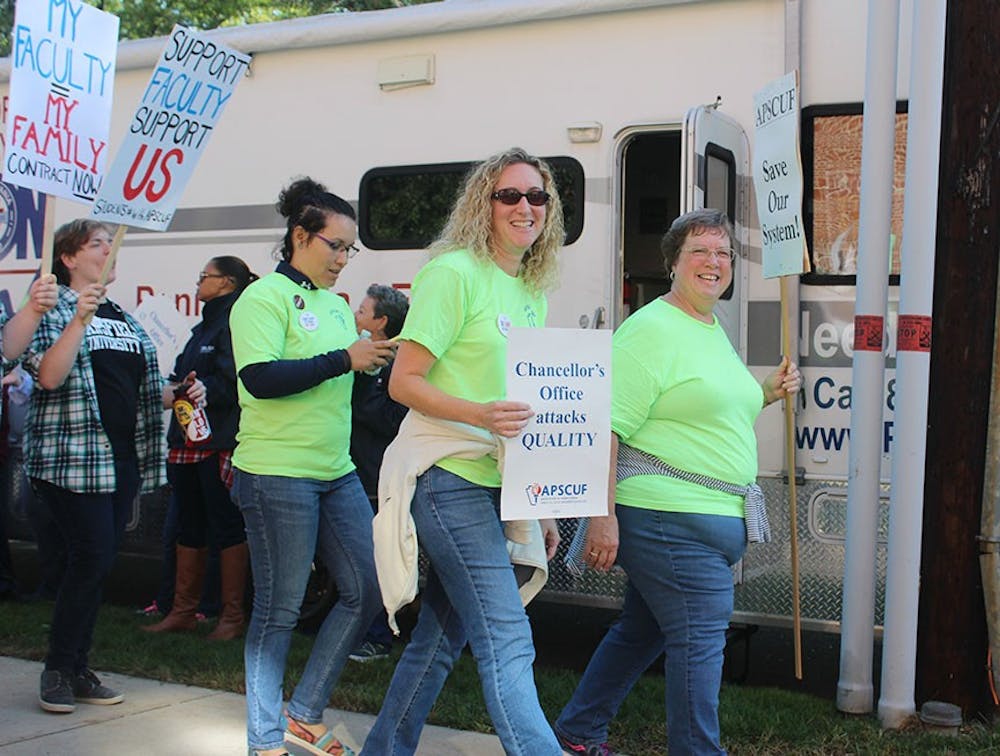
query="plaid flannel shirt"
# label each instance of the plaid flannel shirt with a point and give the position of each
(65, 442)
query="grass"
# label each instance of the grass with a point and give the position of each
(757, 721)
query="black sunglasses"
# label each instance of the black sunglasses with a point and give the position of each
(511, 196)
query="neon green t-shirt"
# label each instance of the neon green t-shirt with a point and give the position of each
(304, 435)
(461, 309)
(680, 391)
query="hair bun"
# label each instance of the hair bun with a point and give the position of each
(302, 192)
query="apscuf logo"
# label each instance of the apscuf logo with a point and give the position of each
(533, 490)
(559, 491)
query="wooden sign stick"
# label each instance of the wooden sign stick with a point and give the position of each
(48, 235)
(786, 348)
(116, 244)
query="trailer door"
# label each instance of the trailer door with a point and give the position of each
(715, 170)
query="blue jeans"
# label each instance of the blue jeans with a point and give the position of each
(288, 520)
(92, 526)
(678, 601)
(470, 595)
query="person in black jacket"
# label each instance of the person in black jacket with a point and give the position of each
(201, 475)
(375, 420)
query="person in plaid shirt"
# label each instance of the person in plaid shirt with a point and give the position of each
(94, 439)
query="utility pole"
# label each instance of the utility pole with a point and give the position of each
(952, 637)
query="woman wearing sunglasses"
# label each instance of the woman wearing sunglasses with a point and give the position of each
(200, 475)
(490, 269)
(296, 348)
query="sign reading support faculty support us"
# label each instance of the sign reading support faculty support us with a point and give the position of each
(61, 83)
(777, 178)
(190, 86)
(558, 466)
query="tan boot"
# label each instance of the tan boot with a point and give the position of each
(187, 592)
(233, 562)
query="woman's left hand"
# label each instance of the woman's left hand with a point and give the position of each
(784, 381)
(196, 390)
(550, 533)
(601, 547)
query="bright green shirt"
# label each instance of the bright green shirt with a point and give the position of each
(304, 435)
(681, 392)
(461, 309)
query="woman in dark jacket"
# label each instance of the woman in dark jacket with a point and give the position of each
(201, 475)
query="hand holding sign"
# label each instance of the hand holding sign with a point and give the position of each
(506, 419)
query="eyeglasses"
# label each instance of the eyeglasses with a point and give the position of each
(721, 254)
(338, 246)
(511, 196)
(203, 276)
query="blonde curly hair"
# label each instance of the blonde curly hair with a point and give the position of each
(470, 225)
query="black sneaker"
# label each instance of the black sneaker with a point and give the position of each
(87, 688)
(55, 692)
(369, 651)
(593, 749)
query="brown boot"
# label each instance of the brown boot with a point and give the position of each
(233, 563)
(187, 592)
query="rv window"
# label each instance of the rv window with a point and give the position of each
(720, 188)
(405, 207)
(831, 168)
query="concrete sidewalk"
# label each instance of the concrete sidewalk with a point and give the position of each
(165, 718)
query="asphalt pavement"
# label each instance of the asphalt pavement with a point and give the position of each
(165, 718)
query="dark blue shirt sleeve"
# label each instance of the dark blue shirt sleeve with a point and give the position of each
(270, 380)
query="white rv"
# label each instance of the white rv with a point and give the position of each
(645, 107)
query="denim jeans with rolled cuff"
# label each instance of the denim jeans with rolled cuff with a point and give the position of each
(678, 601)
(288, 520)
(470, 594)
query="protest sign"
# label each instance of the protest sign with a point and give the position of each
(166, 327)
(558, 466)
(777, 177)
(186, 94)
(61, 83)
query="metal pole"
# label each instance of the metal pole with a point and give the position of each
(854, 689)
(906, 503)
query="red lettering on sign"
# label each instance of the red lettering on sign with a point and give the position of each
(130, 191)
(868, 333)
(913, 334)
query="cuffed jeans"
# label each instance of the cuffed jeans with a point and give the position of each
(678, 601)
(92, 526)
(470, 594)
(287, 521)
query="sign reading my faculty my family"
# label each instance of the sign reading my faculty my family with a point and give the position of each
(558, 466)
(61, 82)
(191, 84)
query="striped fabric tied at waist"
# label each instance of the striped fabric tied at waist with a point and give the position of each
(632, 461)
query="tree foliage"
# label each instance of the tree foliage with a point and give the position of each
(154, 18)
